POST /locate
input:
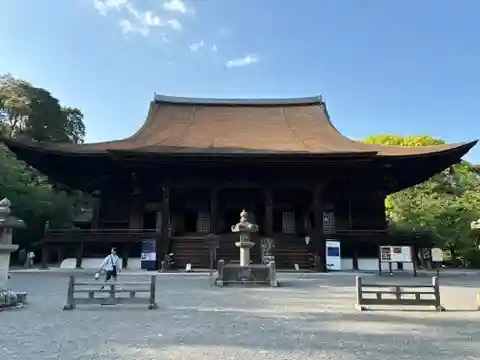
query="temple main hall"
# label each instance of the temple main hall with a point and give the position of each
(195, 164)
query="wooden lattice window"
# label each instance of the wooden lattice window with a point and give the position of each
(288, 222)
(328, 222)
(204, 221)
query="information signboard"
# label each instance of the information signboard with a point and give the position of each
(149, 254)
(401, 254)
(437, 255)
(333, 255)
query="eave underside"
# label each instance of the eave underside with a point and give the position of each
(87, 172)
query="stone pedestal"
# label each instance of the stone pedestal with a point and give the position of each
(5, 251)
(244, 247)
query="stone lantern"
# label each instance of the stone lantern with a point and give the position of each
(7, 224)
(245, 229)
(245, 273)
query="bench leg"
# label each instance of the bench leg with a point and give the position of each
(152, 306)
(69, 307)
(360, 307)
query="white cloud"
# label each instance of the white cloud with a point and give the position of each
(224, 32)
(104, 6)
(244, 61)
(135, 20)
(195, 47)
(128, 27)
(174, 24)
(175, 6)
(214, 48)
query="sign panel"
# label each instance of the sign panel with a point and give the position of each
(333, 255)
(437, 255)
(149, 254)
(401, 254)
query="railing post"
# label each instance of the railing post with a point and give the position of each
(273, 274)
(220, 269)
(152, 304)
(436, 290)
(358, 288)
(112, 292)
(70, 298)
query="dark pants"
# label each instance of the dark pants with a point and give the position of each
(111, 274)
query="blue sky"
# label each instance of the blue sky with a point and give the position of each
(405, 67)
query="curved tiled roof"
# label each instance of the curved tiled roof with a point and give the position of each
(222, 126)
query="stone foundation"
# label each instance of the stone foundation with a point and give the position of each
(235, 274)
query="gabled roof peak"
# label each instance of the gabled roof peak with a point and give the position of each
(157, 98)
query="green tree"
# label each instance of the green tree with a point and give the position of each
(33, 112)
(14, 105)
(445, 204)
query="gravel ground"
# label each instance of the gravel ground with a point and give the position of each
(311, 316)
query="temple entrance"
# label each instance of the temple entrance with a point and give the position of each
(233, 201)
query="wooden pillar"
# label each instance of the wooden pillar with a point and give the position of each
(45, 256)
(352, 243)
(355, 246)
(137, 206)
(268, 212)
(60, 253)
(163, 240)
(318, 236)
(97, 202)
(79, 256)
(214, 214)
(125, 253)
(136, 215)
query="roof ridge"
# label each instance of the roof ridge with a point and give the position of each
(312, 100)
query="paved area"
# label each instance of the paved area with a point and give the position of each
(311, 317)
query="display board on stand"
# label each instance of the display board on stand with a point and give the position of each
(437, 259)
(395, 254)
(149, 254)
(333, 255)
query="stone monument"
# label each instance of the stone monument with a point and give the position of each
(245, 273)
(7, 224)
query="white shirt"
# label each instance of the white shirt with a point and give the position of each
(109, 262)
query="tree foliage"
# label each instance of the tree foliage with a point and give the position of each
(445, 204)
(34, 113)
(26, 110)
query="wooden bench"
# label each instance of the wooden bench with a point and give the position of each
(398, 294)
(92, 288)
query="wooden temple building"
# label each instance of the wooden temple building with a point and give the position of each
(196, 163)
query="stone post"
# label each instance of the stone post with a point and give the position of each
(7, 224)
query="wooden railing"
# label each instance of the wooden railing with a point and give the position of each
(398, 294)
(91, 288)
(97, 235)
